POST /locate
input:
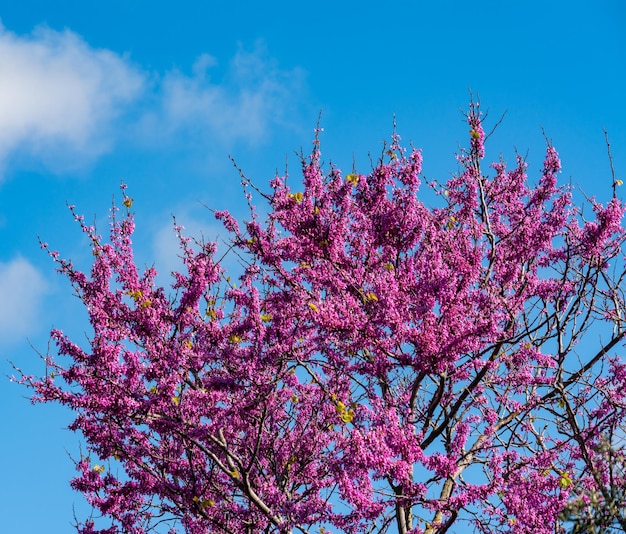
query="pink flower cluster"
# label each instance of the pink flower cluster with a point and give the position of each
(380, 361)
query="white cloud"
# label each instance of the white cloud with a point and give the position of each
(22, 288)
(65, 103)
(56, 92)
(253, 95)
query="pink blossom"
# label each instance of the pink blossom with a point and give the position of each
(379, 360)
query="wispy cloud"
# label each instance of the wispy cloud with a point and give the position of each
(22, 289)
(64, 103)
(253, 95)
(59, 97)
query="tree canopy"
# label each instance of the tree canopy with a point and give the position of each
(381, 365)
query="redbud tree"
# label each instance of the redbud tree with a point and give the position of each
(381, 365)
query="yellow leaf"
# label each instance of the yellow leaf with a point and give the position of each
(352, 178)
(347, 416)
(313, 307)
(565, 481)
(203, 503)
(266, 317)
(135, 295)
(98, 468)
(234, 339)
(128, 202)
(176, 400)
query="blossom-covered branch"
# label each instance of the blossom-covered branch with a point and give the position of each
(382, 365)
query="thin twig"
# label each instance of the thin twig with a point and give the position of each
(608, 149)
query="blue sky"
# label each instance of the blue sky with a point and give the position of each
(158, 94)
